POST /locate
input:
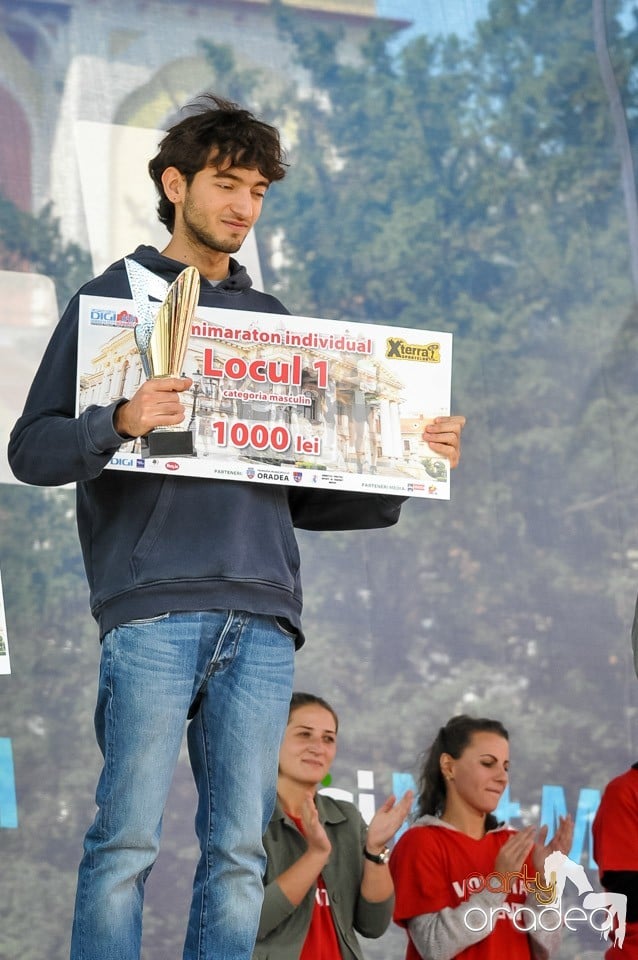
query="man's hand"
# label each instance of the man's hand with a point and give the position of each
(443, 435)
(155, 404)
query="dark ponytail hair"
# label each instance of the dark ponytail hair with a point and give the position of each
(300, 699)
(453, 738)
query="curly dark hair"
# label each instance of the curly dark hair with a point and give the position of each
(453, 738)
(220, 132)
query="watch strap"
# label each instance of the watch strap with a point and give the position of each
(382, 857)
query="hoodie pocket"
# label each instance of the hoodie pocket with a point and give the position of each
(157, 521)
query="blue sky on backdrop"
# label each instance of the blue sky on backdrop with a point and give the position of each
(435, 16)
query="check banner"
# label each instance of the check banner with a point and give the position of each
(284, 399)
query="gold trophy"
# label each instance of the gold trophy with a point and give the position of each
(162, 346)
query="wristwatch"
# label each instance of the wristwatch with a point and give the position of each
(382, 857)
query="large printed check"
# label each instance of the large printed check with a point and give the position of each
(286, 399)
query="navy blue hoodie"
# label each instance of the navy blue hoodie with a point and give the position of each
(153, 544)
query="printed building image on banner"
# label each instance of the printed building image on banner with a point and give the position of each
(5, 663)
(286, 400)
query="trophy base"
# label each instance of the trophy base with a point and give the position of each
(168, 443)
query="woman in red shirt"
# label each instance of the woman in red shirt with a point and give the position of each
(615, 836)
(466, 886)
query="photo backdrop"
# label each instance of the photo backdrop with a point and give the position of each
(465, 167)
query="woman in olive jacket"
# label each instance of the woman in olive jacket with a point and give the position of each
(327, 873)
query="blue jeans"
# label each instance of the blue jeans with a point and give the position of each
(238, 668)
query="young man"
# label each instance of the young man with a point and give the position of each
(194, 582)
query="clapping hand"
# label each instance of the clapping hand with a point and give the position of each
(314, 832)
(561, 841)
(387, 821)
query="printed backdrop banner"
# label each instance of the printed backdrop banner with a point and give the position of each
(286, 400)
(453, 166)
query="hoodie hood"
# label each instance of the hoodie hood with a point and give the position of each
(235, 292)
(149, 257)
(429, 821)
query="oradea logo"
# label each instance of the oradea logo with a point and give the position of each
(603, 912)
(269, 475)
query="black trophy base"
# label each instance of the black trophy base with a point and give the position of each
(168, 443)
